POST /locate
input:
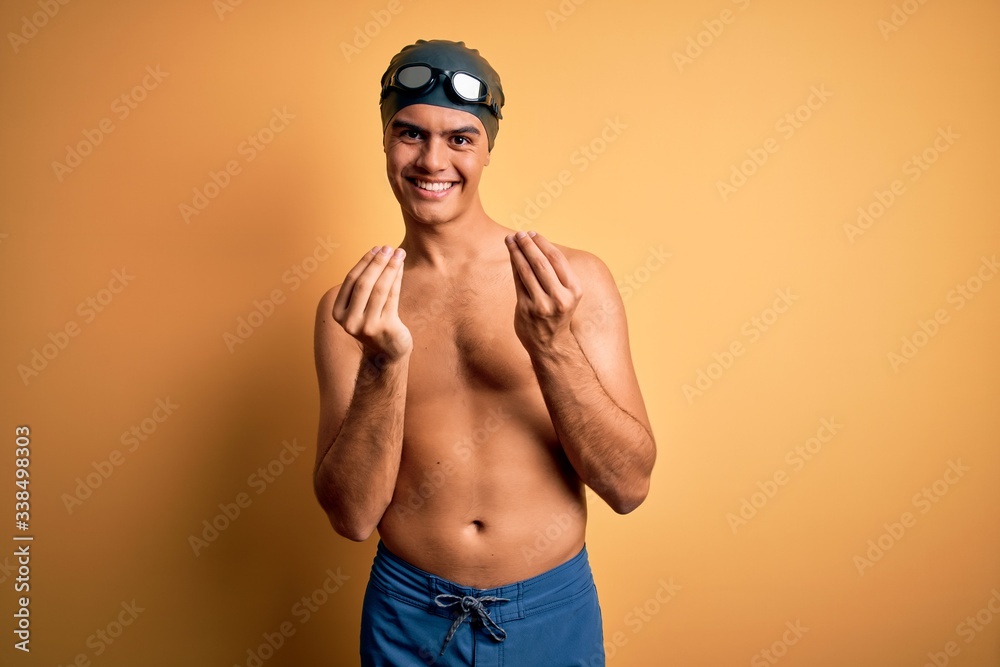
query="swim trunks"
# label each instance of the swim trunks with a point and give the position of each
(412, 617)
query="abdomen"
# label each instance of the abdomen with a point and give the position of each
(484, 495)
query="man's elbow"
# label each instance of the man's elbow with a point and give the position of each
(627, 500)
(628, 496)
(345, 523)
(354, 531)
(353, 528)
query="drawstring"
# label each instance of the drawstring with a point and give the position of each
(471, 604)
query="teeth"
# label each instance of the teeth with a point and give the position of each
(433, 187)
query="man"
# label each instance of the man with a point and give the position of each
(463, 409)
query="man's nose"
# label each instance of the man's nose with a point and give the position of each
(434, 157)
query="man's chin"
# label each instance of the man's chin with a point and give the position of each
(429, 213)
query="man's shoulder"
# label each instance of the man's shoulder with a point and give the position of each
(601, 296)
(588, 267)
(327, 327)
(329, 297)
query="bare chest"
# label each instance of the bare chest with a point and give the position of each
(463, 339)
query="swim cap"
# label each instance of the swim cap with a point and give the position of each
(450, 57)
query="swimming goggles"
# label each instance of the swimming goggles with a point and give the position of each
(420, 78)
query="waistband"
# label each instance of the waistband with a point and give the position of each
(411, 585)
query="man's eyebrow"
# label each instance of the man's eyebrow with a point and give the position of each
(403, 125)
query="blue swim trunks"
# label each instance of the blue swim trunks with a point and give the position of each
(411, 617)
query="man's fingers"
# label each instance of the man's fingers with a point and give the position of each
(364, 284)
(540, 265)
(383, 272)
(343, 300)
(558, 261)
(392, 302)
(519, 288)
(523, 270)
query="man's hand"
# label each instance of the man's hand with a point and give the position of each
(586, 377)
(360, 439)
(548, 291)
(367, 305)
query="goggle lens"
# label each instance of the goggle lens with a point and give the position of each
(468, 87)
(414, 77)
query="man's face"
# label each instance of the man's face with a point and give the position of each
(434, 160)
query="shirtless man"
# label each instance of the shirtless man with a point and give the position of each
(463, 409)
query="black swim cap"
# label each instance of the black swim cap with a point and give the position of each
(452, 57)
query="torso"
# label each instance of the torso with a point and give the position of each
(485, 495)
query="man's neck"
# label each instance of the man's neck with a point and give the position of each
(445, 246)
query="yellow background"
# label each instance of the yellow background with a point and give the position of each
(681, 130)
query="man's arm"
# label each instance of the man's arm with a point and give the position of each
(362, 357)
(579, 349)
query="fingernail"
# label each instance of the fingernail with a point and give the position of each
(386, 250)
(376, 249)
(532, 234)
(508, 239)
(399, 254)
(520, 234)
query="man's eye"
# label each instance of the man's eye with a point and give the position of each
(411, 134)
(461, 140)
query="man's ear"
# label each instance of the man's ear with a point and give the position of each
(487, 163)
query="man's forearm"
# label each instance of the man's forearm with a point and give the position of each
(356, 477)
(609, 448)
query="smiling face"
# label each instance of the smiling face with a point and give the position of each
(434, 159)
